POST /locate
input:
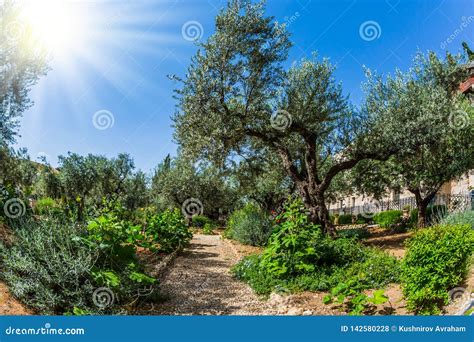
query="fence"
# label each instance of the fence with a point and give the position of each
(451, 202)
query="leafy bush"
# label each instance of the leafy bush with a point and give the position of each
(200, 221)
(207, 229)
(345, 219)
(466, 217)
(249, 225)
(361, 219)
(436, 261)
(169, 230)
(436, 213)
(249, 270)
(387, 219)
(46, 206)
(300, 257)
(55, 268)
(356, 233)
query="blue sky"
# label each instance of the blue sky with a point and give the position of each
(130, 47)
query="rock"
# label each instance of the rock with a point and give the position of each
(295, 312)
(275, 298)
(307, 313)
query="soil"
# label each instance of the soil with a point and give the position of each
(10, 305)
(391, 242)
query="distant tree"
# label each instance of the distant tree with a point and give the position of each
(17, 170)
(263, 180)
(136, 193)
(177, 180)
(91, 179)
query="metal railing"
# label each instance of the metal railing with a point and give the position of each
(451, 202)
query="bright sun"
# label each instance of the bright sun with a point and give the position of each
(53, 23)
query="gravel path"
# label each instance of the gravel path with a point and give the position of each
(199, 283)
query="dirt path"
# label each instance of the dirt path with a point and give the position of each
(199, 283)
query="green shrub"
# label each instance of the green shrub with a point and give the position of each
(466, 217)
(389, 218)
(436, 261)
(356, 233)
(300, 257)
(250, 271)
(249, 225)
(361, 219)
(45, 206)
(207, 229)
(436, 213)
(55, 268)
(200, 221)
(169, 230)
(345, 219)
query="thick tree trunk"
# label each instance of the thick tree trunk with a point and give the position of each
(422, 205)
(318, 211)
(421, 223)
(80, 210)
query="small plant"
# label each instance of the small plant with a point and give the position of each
(436, 261)
(345, 219)
(388, 219)
(199, 221)
(249, 225)
(356, 233)
(47, 206)
(356, 302)
(207, 229)
(169, 230)
(465, 217)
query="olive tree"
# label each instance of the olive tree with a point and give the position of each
(435, 123)
(22, 62)
(238, 99)
(177, 180)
